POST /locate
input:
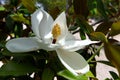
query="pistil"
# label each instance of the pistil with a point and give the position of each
(56, 31)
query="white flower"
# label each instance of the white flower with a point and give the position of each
(53, 35)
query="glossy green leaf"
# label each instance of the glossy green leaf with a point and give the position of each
(2, 44)
(113, 54)
(82, 35)
(107, 78)
(106, 63)
(54, 12)
(82, 77)
(80, 7)
(47, 74)
(16, 69)
(90, 74)
(20, 18)
(9, 23)
(98, 36)
(15, 2)
(101, 8)
(18, 29)
(115, 28)
(91, 4)
(89, 28)
(104, 27)
(114, 41)
(71, 28)
(68, 75)
(82, 23)
(30, 5)
(33, 54)
(114, 75)
(8, 53)
(2, 8)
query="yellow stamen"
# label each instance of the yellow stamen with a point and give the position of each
(56, 31)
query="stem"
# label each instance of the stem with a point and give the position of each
(95, 53)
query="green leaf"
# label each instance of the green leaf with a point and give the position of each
(90, 74)
(107, 79)
(9, 23)
(2, 44)
(2, 8)
(33, 54)
(101, 8)
(16, 69)
(103, 27)
(18, 29)
(115, 28)
(80, 7)
(54, 12)
(30, 5)
(82, 35)
(114, 41)
(47, 74)
(82, 77)
(91, 4)
(98, 36)
(8, 53)
(20, 18)
(89, 28)
(113, 54)
(15, 2)
(71, 28)
(81, 22)
(68, 75)
(114, 75)
(106, 62)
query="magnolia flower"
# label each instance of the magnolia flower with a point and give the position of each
(53, 35)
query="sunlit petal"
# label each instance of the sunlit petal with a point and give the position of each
(61, 21)
(53, 47)
(36, 18)
(73, 61)
(45, 26)
(69, 37)
(74, 45)
(22, 45)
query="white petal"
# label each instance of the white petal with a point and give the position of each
(61, 21)
(45, 26)
(52, 47)
(36, 18)
(46, 46)
(22, 45)
(69, 37)
(74, 45)
(73, 61)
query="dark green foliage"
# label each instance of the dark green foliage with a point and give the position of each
(45, 65)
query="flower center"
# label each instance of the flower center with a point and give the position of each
(56, 31)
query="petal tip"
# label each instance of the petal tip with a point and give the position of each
(84, 70)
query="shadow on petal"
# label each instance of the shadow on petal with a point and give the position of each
(73, 61)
